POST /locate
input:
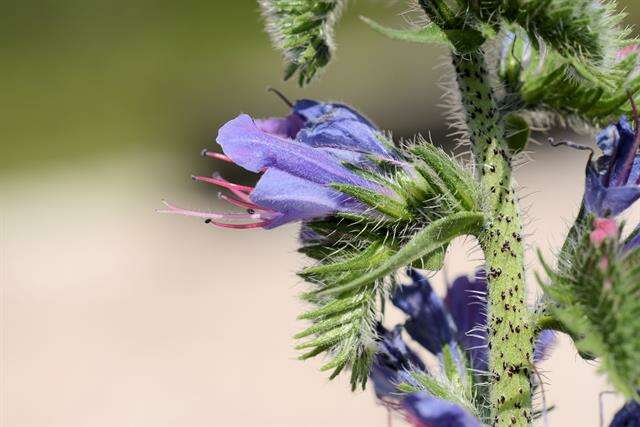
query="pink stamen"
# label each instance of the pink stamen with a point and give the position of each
(237, 226)
(628, 164)
(173, 209)
(224, 183)
(218, 156)
(603, 228)
(242, 203)
(239, 194)
(626, 51)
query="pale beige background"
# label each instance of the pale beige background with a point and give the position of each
(114, 316)
(123, 317)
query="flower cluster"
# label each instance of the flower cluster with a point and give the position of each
(299, 157)
(454, 330)
(613, 180)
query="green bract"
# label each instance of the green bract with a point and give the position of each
(303, 30)
(565, 87)
(593, 295)
(435, 200)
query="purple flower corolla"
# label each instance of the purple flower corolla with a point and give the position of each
(392, 358)
(542, 349)
(427, 411)
(459, 322)
(466, 302)
(429, 322)
(299, 157)
(627, 416)
(613, 181)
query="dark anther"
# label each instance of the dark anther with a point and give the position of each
(281, 96)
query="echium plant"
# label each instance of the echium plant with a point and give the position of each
(374, 211)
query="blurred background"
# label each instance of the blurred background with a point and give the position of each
(113, 315)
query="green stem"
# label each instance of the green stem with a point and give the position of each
(510, 334)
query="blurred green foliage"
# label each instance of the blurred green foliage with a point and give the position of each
(87, 78)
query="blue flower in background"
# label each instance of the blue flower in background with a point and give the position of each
(457, 323)
(299, 157)
(427, 411)
(429, 322)
(627, 416)
(392, 358)
(613, 180)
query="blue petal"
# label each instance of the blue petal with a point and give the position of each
(428, 323)
(544, 342)
(392, 359)
(624, 149)
(256, 150)
(627, 416)
(427, 411)
(313, 110)
(603, 200)
(608, 139)
(343, 134)
(340, 127)
(298, 199)
(467, 305)
(287, 127)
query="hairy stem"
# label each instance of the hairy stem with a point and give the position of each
(510, 334)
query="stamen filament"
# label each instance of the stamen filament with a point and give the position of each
(173, 209)
(218, 156)
(628, 162)
(237, 226)
(242, 204)
(223, 183)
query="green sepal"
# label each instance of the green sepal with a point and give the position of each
(376, 252)
(430, 33)
(327, 325)
(370, 175)
(595, 303)
(441, 169)
(344, 224)
(433, 261)
(422, 244)
(317, 251)
(460, 40)
(449, 364)
(384, 204)
(302, 29)
(517, 132)
(566, 87)
(331, 309)
(442, 387)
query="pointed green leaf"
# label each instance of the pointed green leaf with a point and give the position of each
(423, 243)
(381, 203)
(430, 33)
(363, 260)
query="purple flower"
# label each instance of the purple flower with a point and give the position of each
(427, 411)
(466, 302)
(613, 180)
(392, 358)
(299, 157)
(429, 322)
(460, 320)
(627, 416)
(542, 349)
